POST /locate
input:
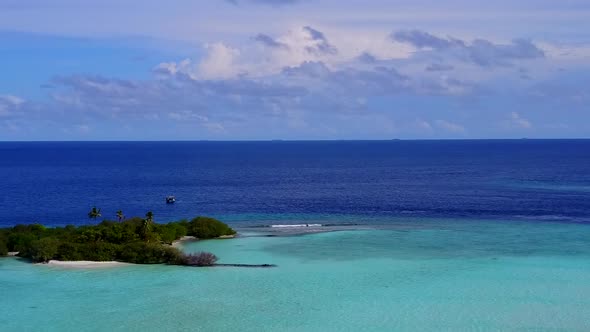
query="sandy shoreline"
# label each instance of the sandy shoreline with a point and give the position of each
(95, 265)
(84, 264)
(179, 242)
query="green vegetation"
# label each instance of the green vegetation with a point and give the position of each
(3, 247)
(208, 228)
(133, 240)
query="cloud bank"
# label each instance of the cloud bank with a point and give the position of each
(307, 82)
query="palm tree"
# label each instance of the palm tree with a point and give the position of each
(94, 213)
(120, 215)
(149, 216)
(147, 224)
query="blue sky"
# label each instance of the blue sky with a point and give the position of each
(294, 69)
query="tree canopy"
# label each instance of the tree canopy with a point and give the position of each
(133, 240)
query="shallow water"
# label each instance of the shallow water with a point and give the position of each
(436, 276)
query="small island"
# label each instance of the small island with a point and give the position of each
(134, 240)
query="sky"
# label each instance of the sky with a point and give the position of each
(294, 69)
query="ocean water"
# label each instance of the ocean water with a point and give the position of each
(57, 183)
(392, 235)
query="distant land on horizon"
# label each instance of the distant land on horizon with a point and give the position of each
(309, 140)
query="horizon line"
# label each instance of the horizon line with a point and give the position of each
(303, 140)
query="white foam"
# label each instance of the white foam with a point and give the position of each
(296, 225)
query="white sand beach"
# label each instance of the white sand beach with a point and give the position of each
(226, 237)
(84, 264)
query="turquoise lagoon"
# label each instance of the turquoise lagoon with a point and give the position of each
(428, 275)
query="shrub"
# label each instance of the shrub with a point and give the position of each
(149, 253)
(200, 259)
(69, 251)
(99, 251)
(173, 256)
(208, 228)
(3, 248)
(167, 234)
(43, 250)
(20, 241)
(170, 232)
(38, 228)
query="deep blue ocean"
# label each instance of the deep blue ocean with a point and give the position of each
(56, 183)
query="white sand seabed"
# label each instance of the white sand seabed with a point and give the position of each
(84, 264)
(178, 243)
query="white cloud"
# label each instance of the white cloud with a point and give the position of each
(301, 44)
(214, 127)
(266, 55)
(83, 128)
(423, 125)
(221, 62)
(185, 115)
(481, 52)
(173, 68)
(9, 104)
(14, 100)
(449, 126)
(519, 122)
